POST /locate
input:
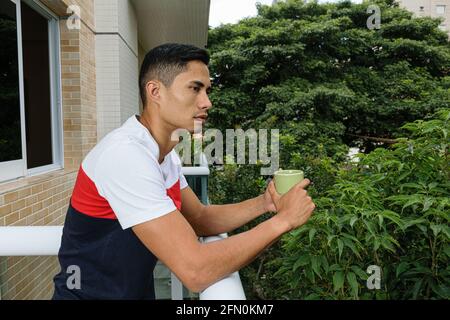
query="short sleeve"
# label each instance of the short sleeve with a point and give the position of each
(183, 182)
(130, 179)
(181, 177)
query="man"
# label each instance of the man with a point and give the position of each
(131, 205)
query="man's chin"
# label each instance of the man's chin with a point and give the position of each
(189, 129)
(192, 127)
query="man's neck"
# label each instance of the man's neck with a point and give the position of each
(161, 134)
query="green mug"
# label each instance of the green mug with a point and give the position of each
(286, 179)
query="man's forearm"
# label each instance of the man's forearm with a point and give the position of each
(218, 259)
(216, 219)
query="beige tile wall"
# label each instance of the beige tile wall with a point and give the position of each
(43, 199)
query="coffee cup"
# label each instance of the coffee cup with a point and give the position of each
(286, 179)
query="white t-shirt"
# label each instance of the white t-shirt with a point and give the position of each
(121, 178)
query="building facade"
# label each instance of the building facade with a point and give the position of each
(69, 76)
(430, 8)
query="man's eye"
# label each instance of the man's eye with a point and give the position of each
(196, 89)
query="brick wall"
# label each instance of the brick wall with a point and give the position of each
(43, 199)
(36, 201)
(78, 87)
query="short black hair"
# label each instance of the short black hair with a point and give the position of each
(165, 62)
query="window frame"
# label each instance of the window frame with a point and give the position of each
(15, 169)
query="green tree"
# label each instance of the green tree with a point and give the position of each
(319, 65)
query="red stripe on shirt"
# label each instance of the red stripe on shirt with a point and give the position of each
(87, 200)
(175, 194)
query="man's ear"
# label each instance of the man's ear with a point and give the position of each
(153, 90)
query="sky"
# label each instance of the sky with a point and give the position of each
(231, 11)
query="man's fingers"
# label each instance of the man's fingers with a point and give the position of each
(272, 187)
(273, 192)
(303, 184)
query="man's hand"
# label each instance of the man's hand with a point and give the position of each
(295, 207)
(269, 205)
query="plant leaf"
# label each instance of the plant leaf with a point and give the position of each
(324, 263)
(340, 247)
(393, 216)
(402, 267)
(380, 220)
(349, 243)
(302, 261)
(427, 203)
(359, 272)
(315, 263)
(416, 289)
(352, 221)
(338, 280)
(351, 279)
(312, 232)
(437, 228)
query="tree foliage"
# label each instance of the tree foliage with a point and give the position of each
(319, 64)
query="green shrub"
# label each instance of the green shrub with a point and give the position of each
(391, 210)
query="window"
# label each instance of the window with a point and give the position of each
(30, 124)
(440, 9)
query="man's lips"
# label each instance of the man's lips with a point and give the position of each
(201, 117)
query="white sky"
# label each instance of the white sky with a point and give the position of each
(231, 11)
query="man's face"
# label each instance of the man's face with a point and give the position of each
(186, 101)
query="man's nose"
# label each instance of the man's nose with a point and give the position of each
(205, 103)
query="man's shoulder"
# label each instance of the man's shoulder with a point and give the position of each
(175, 157)
(117, 151)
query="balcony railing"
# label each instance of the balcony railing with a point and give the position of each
(46, 240)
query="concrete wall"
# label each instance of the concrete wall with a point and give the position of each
(116, 64)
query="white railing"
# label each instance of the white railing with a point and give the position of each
(46, 240)
(229, 288)
(30, 241)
